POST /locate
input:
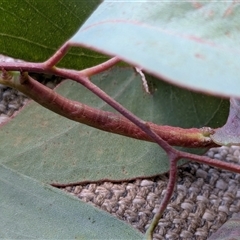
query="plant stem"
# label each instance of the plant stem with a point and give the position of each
(100, 68)
(166, 199)
(144, 126)
(106, 121)
(211, 162)
(58, 55)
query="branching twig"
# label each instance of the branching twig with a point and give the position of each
(97, 118)
(100, 68)
(128, 125)
(57, 56)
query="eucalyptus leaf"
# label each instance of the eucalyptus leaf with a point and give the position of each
(30, 210)
(50, 148)
(229, 134)
(33, 30)
(187, 43)
(229, 230)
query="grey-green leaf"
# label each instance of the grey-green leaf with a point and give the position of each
(48, 147)
(229, 230)
(32, 210)
(229, 134)
(188, 43)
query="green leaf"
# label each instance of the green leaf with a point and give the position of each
(33, 30)
(31, 210)
(190, 44)
(45, 146)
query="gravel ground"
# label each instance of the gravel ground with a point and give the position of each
(203, 200)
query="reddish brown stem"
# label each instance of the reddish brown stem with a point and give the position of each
(58, 104)
(103, 120)
(61, 52)
(142, 125)
(211, 162)
(167, 197)
(100, 68)
(174, 156)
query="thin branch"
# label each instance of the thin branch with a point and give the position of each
(166, 199)
(25, 67)
(174, 157)
(144, 126)
(211, 162)
(59, 54)
(100, 68)
(100, 119)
